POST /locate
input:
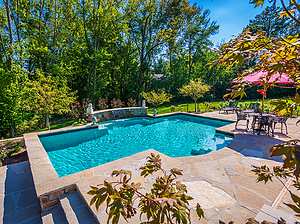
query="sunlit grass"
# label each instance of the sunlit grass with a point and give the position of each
(166, 108)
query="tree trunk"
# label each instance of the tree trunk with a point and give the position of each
(214, 84)
(190, 61)
(47, 123)
(12, 131)
(195, 105)
(10, 35)
(95, 48)
(94, 86)
(141, 80)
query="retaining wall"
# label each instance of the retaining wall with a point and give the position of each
(117, 113)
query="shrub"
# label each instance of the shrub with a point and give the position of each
(77, 110)
(173, 108)
(156, 98)
(166, 202)
(102, 104)
(10, 148)
(131, 102)
(116, 103)
(31, 124)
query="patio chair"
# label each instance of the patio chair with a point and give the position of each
(231, 107)
(242, 116)
(281, 120)
(253, 108)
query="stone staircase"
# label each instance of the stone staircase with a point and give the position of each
(72, 209)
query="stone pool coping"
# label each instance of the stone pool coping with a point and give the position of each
(49, 187)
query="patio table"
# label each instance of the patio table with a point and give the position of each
(260, 120)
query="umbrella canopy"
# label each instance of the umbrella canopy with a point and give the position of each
(257, 77)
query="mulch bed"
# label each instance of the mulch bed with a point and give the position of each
(16, 157)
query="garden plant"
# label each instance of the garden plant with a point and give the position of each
(166, 202)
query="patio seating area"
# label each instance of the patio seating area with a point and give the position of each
(232, 107)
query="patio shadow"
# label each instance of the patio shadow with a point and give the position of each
(253, 145)
(19, 201)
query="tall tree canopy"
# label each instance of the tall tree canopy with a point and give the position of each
(101, 49)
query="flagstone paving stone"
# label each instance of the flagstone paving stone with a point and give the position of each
(18, 200)
(238, 214)
(208, 195)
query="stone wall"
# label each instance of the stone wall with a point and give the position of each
(117, 113)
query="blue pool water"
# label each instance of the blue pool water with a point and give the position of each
(175, 136)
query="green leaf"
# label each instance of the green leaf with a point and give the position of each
(240, 58)
(199, 211)
(293, 207)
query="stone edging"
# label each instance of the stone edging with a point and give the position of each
(49, 187)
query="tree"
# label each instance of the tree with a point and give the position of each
(269, 22)
(12, 96)
(151, 26)
(156, 98)
(195, 90)
(196, 35)
(167, 202)
(49, 95)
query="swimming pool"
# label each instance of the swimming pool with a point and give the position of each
(175, 136)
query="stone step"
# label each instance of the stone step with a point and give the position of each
(75, 209)
(54, 215)
(270, 214)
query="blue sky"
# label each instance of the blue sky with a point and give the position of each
(231, 15)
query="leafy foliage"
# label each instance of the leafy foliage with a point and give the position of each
(286, 107)
(194, 89)
(9, 148)
(131, 102)
(167, 201)
(48, 95)
(116, 103)
(12, 97)
(102, 104)
(156, 98)
(269, 22)
(77, 110)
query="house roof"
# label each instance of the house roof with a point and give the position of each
(159, 76)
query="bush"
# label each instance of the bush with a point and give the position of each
(173, 108)
(116, 103)
(102, 104)
(131, 102)
(31, 124)
(78, 110)
(166, 202)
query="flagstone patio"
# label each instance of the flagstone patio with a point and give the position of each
(221, 181)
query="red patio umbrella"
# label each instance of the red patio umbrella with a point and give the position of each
(260, 76)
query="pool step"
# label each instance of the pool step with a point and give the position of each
(75, 209)
(54, 215)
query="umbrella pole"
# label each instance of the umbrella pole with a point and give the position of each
(263, 100)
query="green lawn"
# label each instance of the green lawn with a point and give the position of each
(166, 108)
(58, 125)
